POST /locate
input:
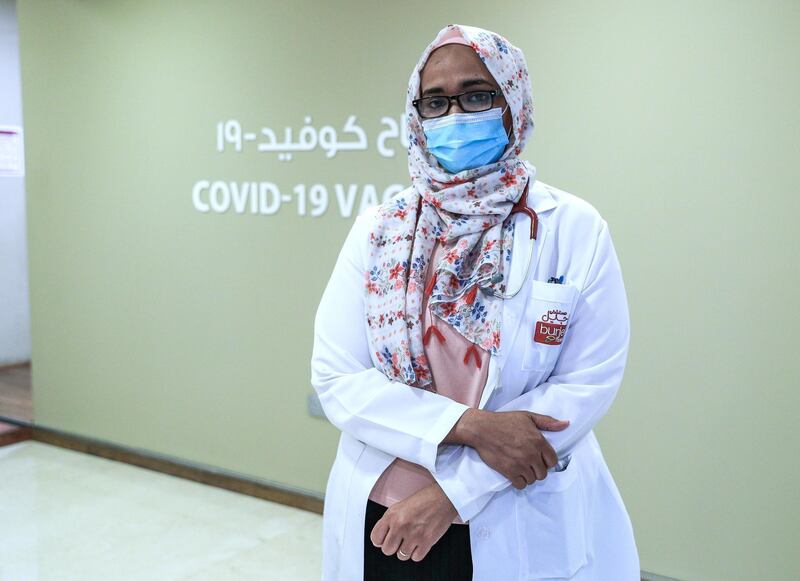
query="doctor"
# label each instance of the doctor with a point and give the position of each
(474, 330)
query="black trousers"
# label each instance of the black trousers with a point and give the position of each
(450, 559)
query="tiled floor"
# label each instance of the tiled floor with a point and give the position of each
(66, 515)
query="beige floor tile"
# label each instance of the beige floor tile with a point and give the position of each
(66, 515)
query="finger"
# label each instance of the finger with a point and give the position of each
(549, 423)
(408, 549)
(518, 482)
(550, 457)
(549, 453)
(378, 532)
(529, 476)
(391, 543)
(540, 469)
(420, 552)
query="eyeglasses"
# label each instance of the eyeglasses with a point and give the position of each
(470, 102)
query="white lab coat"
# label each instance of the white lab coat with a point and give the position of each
(572, 525)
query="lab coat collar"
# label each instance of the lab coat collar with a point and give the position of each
(540, 198)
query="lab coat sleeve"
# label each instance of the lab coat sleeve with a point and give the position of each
(580, 389)
(404, 421)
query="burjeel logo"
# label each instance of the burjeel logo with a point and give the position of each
(551, 328)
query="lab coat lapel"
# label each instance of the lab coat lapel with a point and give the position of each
(541, 201)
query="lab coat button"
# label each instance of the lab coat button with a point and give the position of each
(483, 533)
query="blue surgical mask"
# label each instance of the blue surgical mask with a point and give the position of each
(464, 141)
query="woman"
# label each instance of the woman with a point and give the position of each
(474, 330)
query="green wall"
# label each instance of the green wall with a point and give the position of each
(188, 333)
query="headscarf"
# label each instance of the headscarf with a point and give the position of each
(466, 212)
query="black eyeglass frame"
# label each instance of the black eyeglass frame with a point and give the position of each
(450, 99)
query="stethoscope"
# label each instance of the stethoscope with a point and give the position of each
(519, 206)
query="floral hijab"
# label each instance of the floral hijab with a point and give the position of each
(466, 212)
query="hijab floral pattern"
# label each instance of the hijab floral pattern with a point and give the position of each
(466, 212)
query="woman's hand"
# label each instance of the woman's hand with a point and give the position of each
(415, 524)
(510, 442)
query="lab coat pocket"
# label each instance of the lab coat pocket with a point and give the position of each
(547, 317)
(551, 525)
